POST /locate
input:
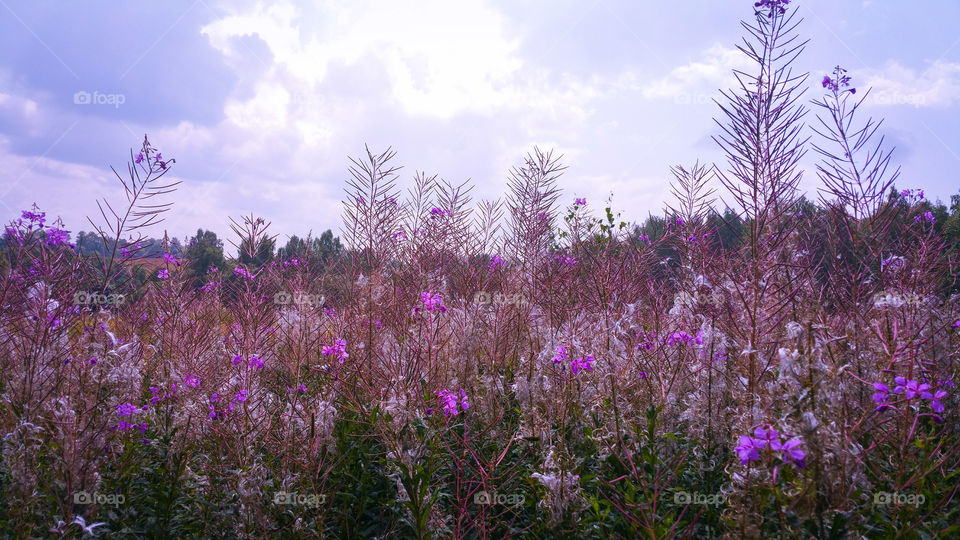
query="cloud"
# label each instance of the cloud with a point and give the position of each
(699, 80)
(895, 84)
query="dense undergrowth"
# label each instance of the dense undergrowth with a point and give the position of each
(511, 368)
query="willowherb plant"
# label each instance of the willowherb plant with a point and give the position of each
(527, 368)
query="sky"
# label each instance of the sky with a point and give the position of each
(263, 103)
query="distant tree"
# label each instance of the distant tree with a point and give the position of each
(263, 255)
(204, 251)
(296, 248)
(327, 247)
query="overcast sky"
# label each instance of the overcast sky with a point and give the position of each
(261, 103)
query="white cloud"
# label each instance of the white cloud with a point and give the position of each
(895, 84)
(699, 79)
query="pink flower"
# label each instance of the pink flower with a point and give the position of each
(581, 363)
(338, 350)
(748, 449)
(450, 401)
(432, 302)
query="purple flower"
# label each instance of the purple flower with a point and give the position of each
(139, 158)
(432, 302)
(912, 388)
(127, 409)
(34, 217)
(338, 350)
(191, 380)
(935, 401)
(748, 449)
(772, 5)
(956, 324)
(791, 453)
(766, 436)
(580, 201)
(168, 258)
(439, 212)
(682, 337)
(450, 401)
(163, 274)
(495, 262)
(926, 216)
(240, 396)
(561, 355)
(255, 362)
(56, 237)
(242, 272)
(882, 393)
(569, 261)
(581, 363)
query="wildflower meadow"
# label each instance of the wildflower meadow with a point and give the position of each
(756, 362)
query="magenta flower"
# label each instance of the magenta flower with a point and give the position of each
(255, 362)
(791, 453)
(911, 388)
(766, 436)
(337, 350)
(748, 449)
(882, 394)
(677, 338)
(561, 355)
(926, 216)
(168, 258)
(127, 409)
(450, 402)
(569, 261)
(163, 274)
(432, 302)
(581, 363)
(242, 272)
(56, 237)
(935, 401)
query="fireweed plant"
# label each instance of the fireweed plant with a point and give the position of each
(791, 361)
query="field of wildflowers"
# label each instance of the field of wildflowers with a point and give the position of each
(514, 368)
